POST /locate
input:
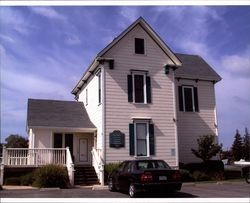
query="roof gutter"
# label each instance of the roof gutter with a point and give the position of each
(85, 76)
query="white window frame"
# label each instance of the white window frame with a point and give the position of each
(183, 98)
(99, 87)
(147, 137)
(144, 74)
(86, 97)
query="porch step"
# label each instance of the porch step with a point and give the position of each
(85, 175)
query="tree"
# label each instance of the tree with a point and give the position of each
(206, 148)
(237, 147)
(246, 145)
(16, 141)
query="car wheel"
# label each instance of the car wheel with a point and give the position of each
(111, 185)
(132, 190)
(247, 177)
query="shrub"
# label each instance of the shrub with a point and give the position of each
(108, 168)
(186, 176)
(200, 176)
(1, 188)
(27, 179)
(12, 181)
(209, 166)
(51, 175)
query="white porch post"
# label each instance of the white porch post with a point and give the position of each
(2, 165)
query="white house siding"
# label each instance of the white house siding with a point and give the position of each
(191, 125)
(119, 111)
(43, 138)
(94, 109)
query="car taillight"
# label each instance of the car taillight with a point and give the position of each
(176, 175)
(146, 177)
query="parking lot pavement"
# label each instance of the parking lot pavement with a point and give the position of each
(203, 190)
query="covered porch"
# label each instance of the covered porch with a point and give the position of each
(60, 132)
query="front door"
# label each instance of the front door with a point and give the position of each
(83, 150)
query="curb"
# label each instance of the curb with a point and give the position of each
(100, 187)
(50, 189)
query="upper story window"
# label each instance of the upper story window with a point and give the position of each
(139, 87)
(188, 99)
(139, 46)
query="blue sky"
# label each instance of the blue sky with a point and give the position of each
(45, 50)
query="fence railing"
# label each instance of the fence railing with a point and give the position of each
(70, 166)
(33, 157)
(97, 162)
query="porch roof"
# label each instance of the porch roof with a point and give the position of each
(57, 113)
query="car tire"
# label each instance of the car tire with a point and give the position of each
(132, 191)
(247, 177)
(111, 185)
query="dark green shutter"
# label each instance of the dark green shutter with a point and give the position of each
(148, 88)
(196, 103)
(180, 98)
(151, 139)
(131, 139)
(130, 89)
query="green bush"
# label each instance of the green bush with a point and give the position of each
(200, 176)
(209, 166)
(12, 181)
(51, 175)
(108, 168)
(186, 176)
(27, 179)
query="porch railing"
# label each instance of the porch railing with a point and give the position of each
(98, 163)
(33, 157)
(70, 166)
(25, 157)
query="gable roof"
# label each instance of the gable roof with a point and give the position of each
(58, 114)
(195, 67)
(140, 21)
(148, 29)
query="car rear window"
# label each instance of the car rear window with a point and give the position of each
(142, 165)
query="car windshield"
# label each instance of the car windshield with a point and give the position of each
(142, 165)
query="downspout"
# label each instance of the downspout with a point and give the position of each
(175, 121)
(103, 125)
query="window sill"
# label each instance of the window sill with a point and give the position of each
(189, 112)
(142, 157)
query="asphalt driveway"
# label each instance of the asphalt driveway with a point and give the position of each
(202, 190)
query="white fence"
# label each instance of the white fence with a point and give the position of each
(33, 157)
(98, 164)
(22, 157)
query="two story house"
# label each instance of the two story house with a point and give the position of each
(136, 100)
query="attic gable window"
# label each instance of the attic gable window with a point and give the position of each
(139, 46)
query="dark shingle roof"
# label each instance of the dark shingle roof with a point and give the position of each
(195, 67)
(53, 113)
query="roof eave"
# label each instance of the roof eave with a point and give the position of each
(85, 76)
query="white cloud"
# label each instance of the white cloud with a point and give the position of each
(72, 39)
(130, 14)
(13, 19)
(7, 38)
(194, 47)
(48, 12)
(237, 65)
(30, 83)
